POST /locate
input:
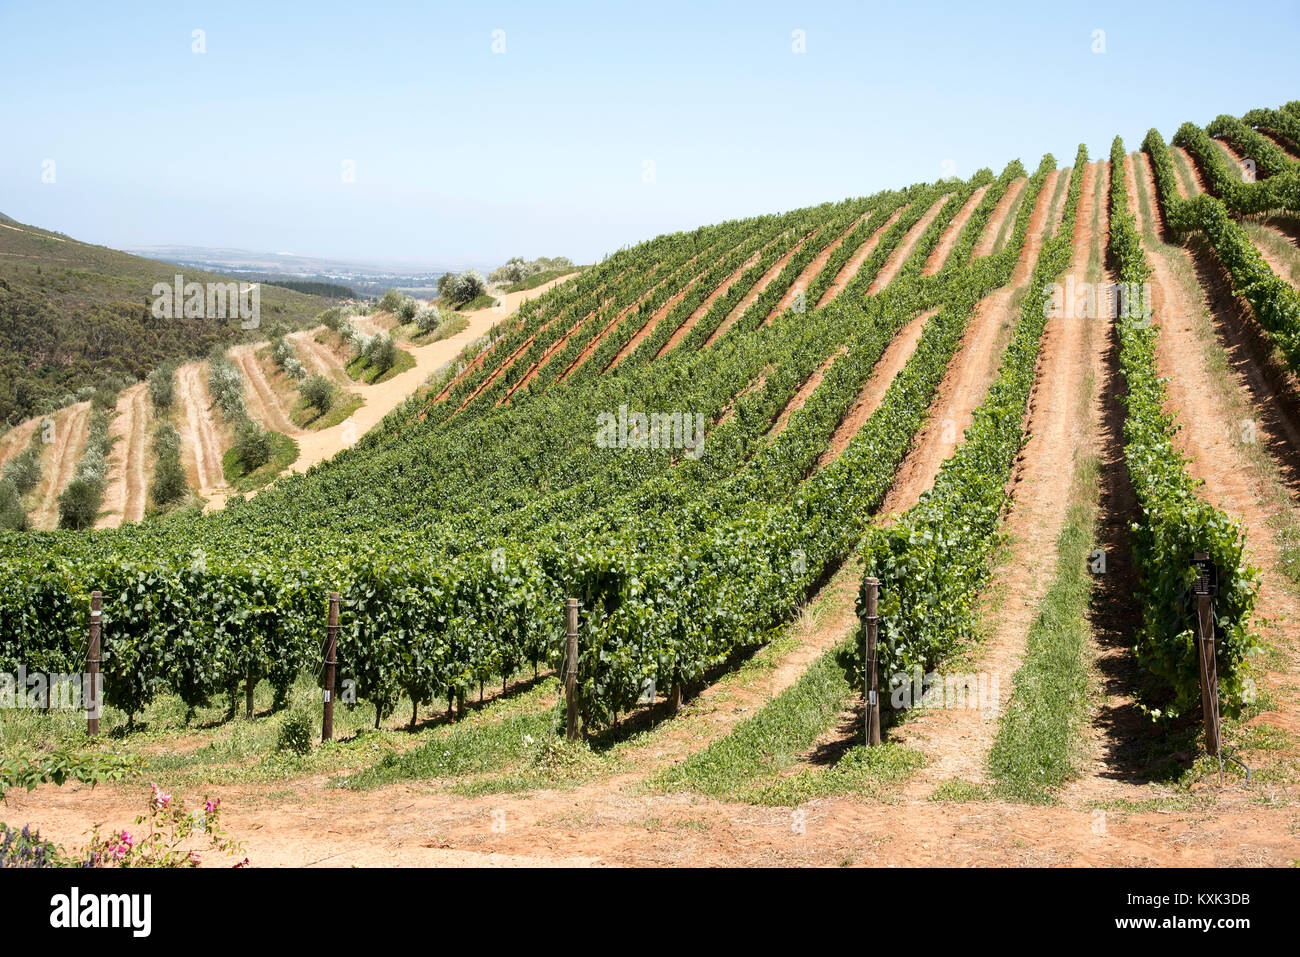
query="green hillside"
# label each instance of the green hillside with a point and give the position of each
(73, 314)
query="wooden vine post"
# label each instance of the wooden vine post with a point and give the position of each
(571, 667)
(93, 704)
(870, 618)
(331, 659)
(1205, 587)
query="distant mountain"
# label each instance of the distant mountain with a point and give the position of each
(73, 314)
(366, 277)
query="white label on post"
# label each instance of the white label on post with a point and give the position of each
(327, 696)
(871, 696)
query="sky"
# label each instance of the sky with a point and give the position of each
(465, 133)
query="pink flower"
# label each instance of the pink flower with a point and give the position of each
(127, 839)
(212, 806)
(243, 863)
(194, 858)
(159, 800)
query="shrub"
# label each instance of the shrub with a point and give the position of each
(79, 503)
(162, 386)
(331, 318)
(318, 392)
(281, 351)
(381, 352)
(24, 469)
(169, 482)
(297, 733)
(462, 287)
(12, 514)
(407, 310)
(294, 369)
(391, 301)
(252, 445)
(227, 387)
(427, 319)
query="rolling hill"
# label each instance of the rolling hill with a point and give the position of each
(73, 314)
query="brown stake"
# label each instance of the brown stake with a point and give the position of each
(1209, 666)
(331, 650)
(93, 704)
(870, 618)
(571, 667)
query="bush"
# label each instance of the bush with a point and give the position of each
(252, 445)
(391, 301)
(227, 387)
(169, 481)
(79, 503)
(294, 369)
(104, 398)
(427, 319)
(12, 514)
(318, 392)
(462, 287)
(407, 310)
(381, 352)
(24, 469)
(331, 318)
(281, 351)
(297, 733)
(162, 386)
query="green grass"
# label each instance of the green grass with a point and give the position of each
(541, 279)
(361, 370)
(1009, 222)
(1038, 743)
(452, 323)
(309, 417)
(770, 741)
(1058, 200)
(870, 772)
(484, 301)
(284, 452)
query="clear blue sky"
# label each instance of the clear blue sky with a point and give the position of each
(463, 155)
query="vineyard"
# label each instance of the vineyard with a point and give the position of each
(963, 396)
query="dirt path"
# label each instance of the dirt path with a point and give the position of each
(956, 741)
(1193, 325)
(854, 265)
(597, 339)
(656, 317)
(951, 234)
(317, 357)
(58, 467)
(764, 281)
(904, 249)
(382, 398)
(128, 464)
(263, 402)
(17, 438)
(419, 824)
(702, 309)
(812, 271)
(1001, 211)
(202, 445)
(970, 373)
(801, 396)
(1198, 179)
(891, 363)
(1282, 143)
